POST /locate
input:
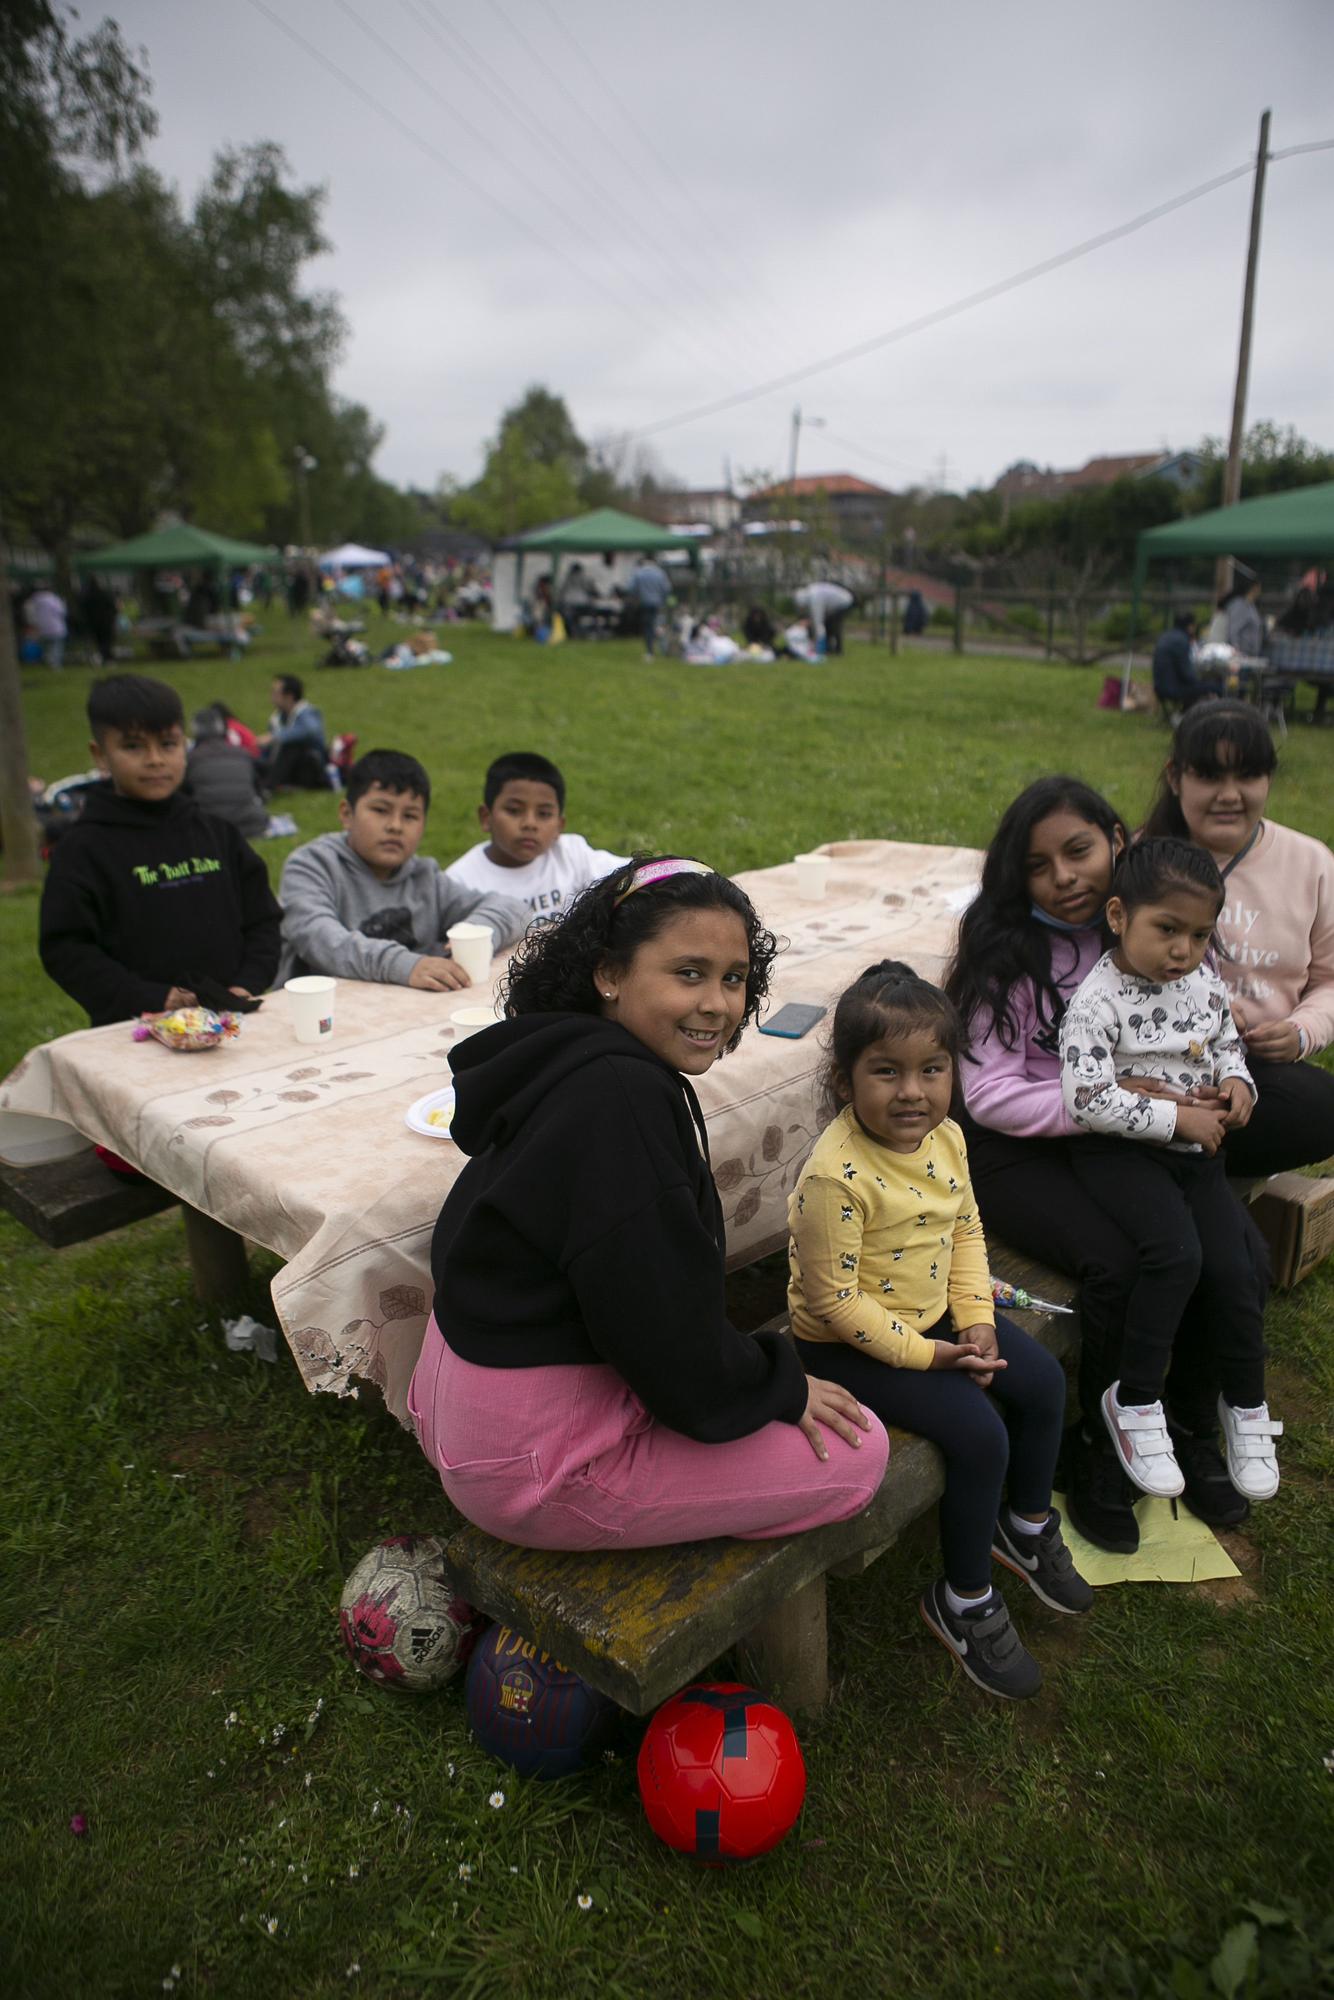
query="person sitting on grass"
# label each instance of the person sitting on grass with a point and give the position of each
(529, 854)
(222, 779)
(580, 1384)
(890, 1296)
(293, 749)
(363, 904)
(1176, 677)
(151, 903)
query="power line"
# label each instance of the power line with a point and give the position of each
(460, 51)
(878, 457)
(596, 113)
(946, 312)
(571, 222)
(433, 152)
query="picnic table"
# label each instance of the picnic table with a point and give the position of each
(304, 1150)
(175, 639)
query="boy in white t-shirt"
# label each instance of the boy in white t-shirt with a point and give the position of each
(528, 853)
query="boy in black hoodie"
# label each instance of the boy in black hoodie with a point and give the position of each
(149, 903)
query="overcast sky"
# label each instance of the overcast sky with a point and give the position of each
(664, 206)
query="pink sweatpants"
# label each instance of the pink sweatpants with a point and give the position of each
(568, 1458)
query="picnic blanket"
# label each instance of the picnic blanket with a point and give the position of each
(305, 1150)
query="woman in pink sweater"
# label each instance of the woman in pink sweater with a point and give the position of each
(1276, 928)
(1025, 944)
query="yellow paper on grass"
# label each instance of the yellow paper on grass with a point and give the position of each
(1171, 1550)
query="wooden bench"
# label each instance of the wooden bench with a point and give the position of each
(639, 1623)
(72, 1200)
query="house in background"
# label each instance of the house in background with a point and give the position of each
(1026, 481)
(857, 506)
(697, 506)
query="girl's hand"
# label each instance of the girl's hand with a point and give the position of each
(827, 1403)
(983, 1338)
(965, 1355)
(1276, 1041)
(1238, 1104)
(1154, 1086)
(178, 996)
(1201, 1125)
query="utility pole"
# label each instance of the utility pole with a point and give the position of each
(1232, 470)
(811, 423)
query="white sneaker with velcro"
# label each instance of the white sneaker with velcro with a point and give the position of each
(1248, 1435)
(1143, 1444)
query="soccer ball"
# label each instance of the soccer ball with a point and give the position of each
(401, 1619)
(721, 1773)
(530, 1711)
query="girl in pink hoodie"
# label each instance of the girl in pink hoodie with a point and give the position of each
(1025, 944)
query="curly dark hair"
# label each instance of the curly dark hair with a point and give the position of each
(552, 969)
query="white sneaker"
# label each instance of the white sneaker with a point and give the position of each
(1248, 1435)
(1143, 1445)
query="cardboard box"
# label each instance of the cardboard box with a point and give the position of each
(1295, 1215)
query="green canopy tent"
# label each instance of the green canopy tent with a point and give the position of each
(180, 547)
(606, 531)
(1299, 523)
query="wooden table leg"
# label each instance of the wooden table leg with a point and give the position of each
(217, 1258)
(788, 1653)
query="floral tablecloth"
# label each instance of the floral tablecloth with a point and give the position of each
(305, 1150)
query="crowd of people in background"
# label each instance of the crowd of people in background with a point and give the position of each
(1188, 667)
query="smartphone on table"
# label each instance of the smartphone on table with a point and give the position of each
(793, 1021)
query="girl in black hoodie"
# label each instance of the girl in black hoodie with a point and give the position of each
(580, 1385)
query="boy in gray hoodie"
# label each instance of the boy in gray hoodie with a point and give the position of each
(363, 904)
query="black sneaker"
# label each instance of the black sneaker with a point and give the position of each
(1045, 1564)
(1210, 1494)
(1100, 1499)
(985, 1644)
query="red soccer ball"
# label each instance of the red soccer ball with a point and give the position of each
(721, 1773)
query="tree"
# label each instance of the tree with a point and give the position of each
(1273, 460)
(61, 100)
(532, 470)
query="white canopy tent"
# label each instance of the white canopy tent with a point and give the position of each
(353, 556)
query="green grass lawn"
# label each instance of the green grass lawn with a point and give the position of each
(177, 1521)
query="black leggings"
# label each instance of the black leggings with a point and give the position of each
(1029, 1198)
(1187, 1228)
(1017, 1423)
(1292, 1124)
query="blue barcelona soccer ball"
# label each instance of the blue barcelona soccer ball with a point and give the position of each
(531, 1712)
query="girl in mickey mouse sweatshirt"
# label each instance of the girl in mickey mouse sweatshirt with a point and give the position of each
(1152, 1007)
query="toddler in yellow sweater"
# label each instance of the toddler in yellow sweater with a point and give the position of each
(891, 1297)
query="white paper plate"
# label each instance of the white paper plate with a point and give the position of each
(417, 1117)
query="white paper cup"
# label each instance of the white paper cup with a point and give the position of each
(470, 946)
(312, 1006)
(470, 1020)
(812, 876)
